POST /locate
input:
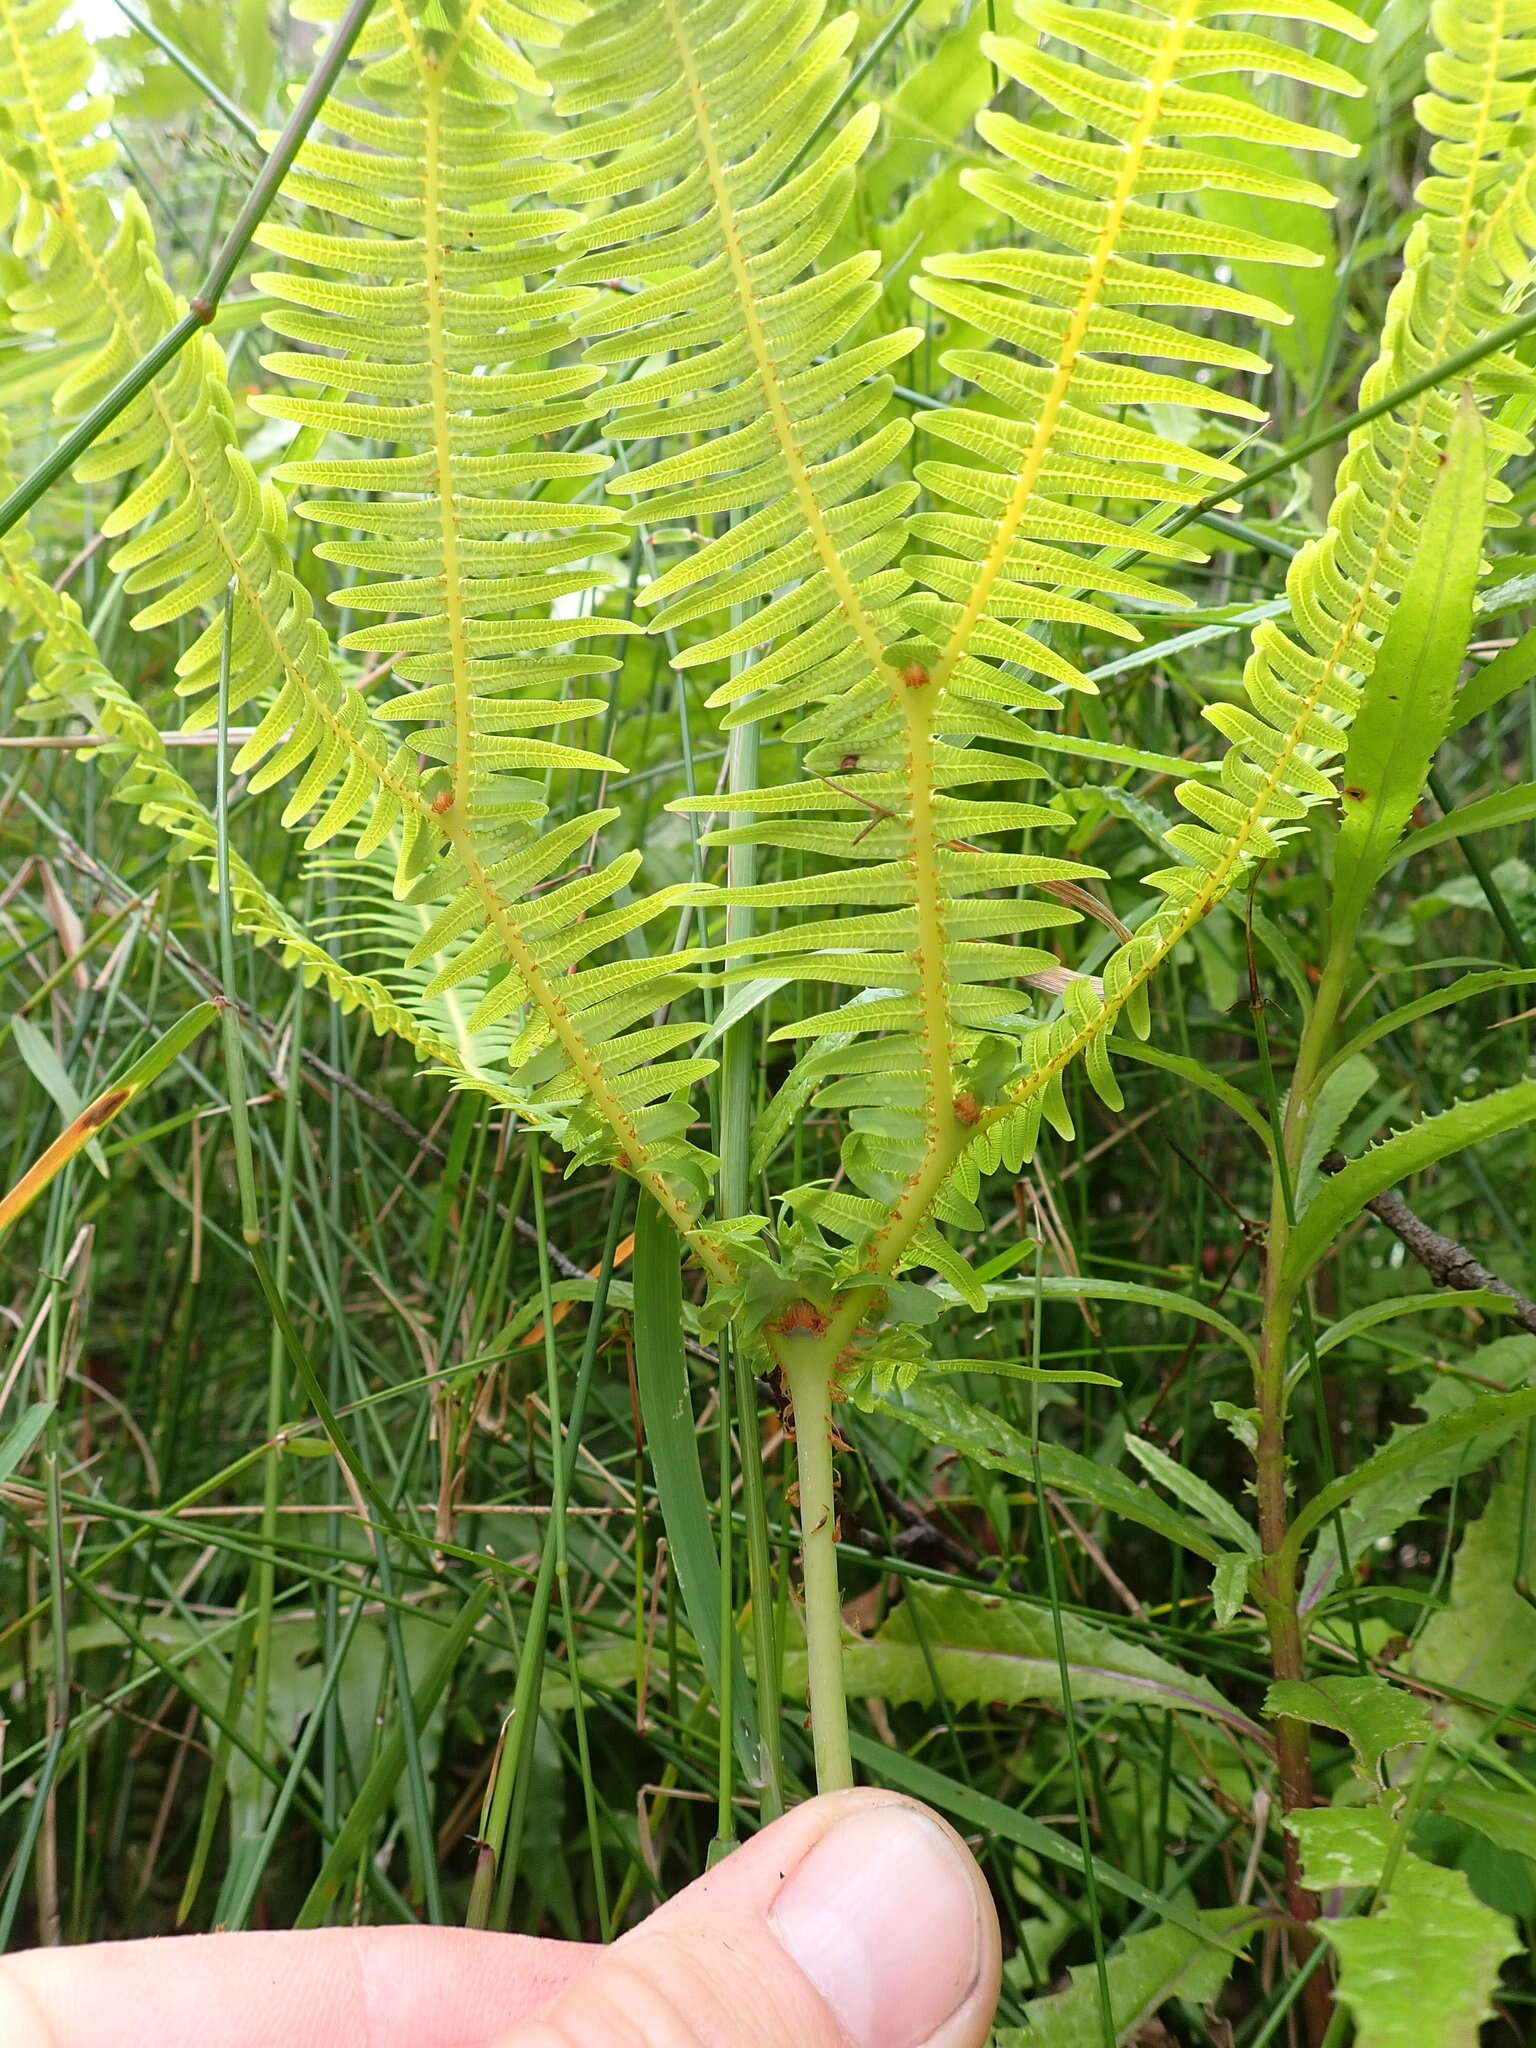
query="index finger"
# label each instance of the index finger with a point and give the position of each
(362, 1987)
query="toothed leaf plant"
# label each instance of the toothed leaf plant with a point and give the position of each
(584, 365)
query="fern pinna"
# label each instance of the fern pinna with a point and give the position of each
(574, 353)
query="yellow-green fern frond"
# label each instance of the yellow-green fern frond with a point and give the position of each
(426, 314)
(713, 139)
(70, 680)
(1468, 256)
(204, 529)
(198, 526)
(52, 129)
(425, 325)
(1075, 308)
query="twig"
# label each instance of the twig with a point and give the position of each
(1448, 1263)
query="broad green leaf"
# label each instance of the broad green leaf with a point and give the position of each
(1482, 1643)
(46, 1068)
(1419, 1458)
(986, 1651)
(1075, 1287)
(1424, 1967)
(1505, 1817)
(672, 1444)
(80, 1132)
(1406, 706)
(1346, 1193)
(1342, 1847)
(1375, 1715)
(1480, 1420)
(1455, 993)
(1151, 1968)
(1009, 1369)
(1509, 671)
(1332, 1106)
(976, 1433)
(1229, 1587)
(1482, 1300)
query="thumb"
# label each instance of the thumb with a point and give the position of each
(857, 1921)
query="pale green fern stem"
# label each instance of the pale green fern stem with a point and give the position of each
(810, 1377)
(809, 1368)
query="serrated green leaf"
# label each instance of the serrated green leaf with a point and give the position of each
(959, 1425)
(1513, 806)
(986, 1650)
(1375, 1715)
(1229, 1587)
(1405, 710)
(1505, 1817)
(1346, 1193)
(1485, 1418)
(1424, 1967)
(1414, 1463)
(1481, 1645)
(1160, 1964)
(1218, 1514)
(1342, 1846)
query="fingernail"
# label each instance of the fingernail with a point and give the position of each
(882, 1917)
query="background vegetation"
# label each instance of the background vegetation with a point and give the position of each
(247, 1681)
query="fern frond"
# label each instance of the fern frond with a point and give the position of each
(1061, 310)
(203, 525)
(486, 564)
(70, 680)
(725, 179)
(1470, 249)
(432, 304)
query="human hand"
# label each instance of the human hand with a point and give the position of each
(857, 1921)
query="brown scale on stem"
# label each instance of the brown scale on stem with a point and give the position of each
(799, 1319)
